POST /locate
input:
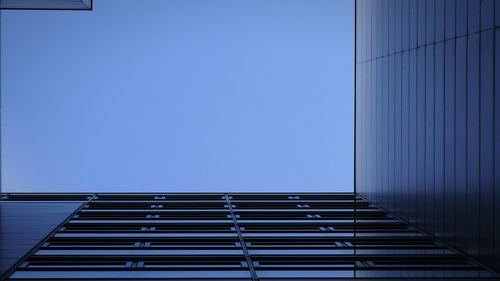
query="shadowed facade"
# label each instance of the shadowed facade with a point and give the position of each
(427, 116)
(240, 236)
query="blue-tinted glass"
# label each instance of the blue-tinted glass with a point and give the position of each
(192, 274)
(306, 274)
(188, 252)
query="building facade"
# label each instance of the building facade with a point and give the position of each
(427, 204)
(46, 4)
(427, 117)
(269, 236)
(23, 224)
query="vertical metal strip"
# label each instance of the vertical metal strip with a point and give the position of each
(495, 167)
(0, 105)
(240, 237)
(354, 242)
(355, 98)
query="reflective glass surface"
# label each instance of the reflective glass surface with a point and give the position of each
(237, 237)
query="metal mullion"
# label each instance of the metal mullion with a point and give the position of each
(242, 241)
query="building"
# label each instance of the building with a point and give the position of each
(46, 4)
(427, 117)
(270, 236)
(427, 196)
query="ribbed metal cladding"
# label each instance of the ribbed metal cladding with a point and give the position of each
(269, 236)
(427, 116)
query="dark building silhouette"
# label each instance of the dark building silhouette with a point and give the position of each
(270, 236)
(427, 117)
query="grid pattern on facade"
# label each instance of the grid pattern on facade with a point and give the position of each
(427, 116)
(235, 237)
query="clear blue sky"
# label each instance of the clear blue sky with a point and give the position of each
(179, 95)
